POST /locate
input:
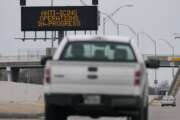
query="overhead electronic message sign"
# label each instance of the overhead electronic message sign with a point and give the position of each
(59, 18)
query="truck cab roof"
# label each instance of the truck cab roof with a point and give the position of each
(99, 38)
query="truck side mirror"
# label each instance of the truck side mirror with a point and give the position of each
(152, 63)
(44, 59)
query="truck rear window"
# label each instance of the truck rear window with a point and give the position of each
(98, 51)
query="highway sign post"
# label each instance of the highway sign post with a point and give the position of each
(22, 2)
(95, 2)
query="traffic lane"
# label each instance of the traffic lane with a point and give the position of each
(74, 118)
(19, 119)
(165, 113)
(155, 113)
(102, 118)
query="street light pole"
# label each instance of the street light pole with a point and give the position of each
(123, 6)
(104, 19)
(51, 2)
(133, 31)
(118, 32)
(172, 47)
(153, 40)
(104, 26)
(155, 48)
(111, 15)
(52, 33)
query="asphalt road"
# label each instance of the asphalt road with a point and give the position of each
(156, 112)
(165, 113)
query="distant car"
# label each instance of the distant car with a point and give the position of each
(168, 100)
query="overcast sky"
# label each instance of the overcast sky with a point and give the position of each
(159, 18)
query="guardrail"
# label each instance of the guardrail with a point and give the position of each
(32, 58)
(20, 58)
(175, 84)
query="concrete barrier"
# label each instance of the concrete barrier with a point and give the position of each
(23, 92)
(20, 92)
(151, 97)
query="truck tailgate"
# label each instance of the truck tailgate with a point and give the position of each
(92, 77)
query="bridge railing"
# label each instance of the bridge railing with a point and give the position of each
(175, 84)
(22, 58)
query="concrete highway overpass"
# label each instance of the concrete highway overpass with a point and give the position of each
(13, 64)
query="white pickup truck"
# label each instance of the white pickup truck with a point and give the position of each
(96, 76)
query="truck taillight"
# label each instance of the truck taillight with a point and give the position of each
(47, 75)
(137, 77)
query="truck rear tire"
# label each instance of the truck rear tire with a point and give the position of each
(53, 112)
(146, 112)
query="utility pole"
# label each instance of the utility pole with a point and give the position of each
(95, 2)
(60, 36)
(109, 16)
(52, 33)
(104, 25)
(155, 53)
(118, 31)
(172, 55)
(22, 2)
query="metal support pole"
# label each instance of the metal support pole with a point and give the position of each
(60, 36)
(173, 63)
(118, 32)
(51, 2)
(52, 42)
(45, 34)
(65, 33)
(133, 31)
(155, 49)
(172, 56)
(104, 25)
(24, 37)
(35, 35)
(111, 15)
(55, 36)
(155, 52)
(138, 40)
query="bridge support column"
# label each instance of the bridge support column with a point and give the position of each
(15, 74)
(12, 74)
(8, 73)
